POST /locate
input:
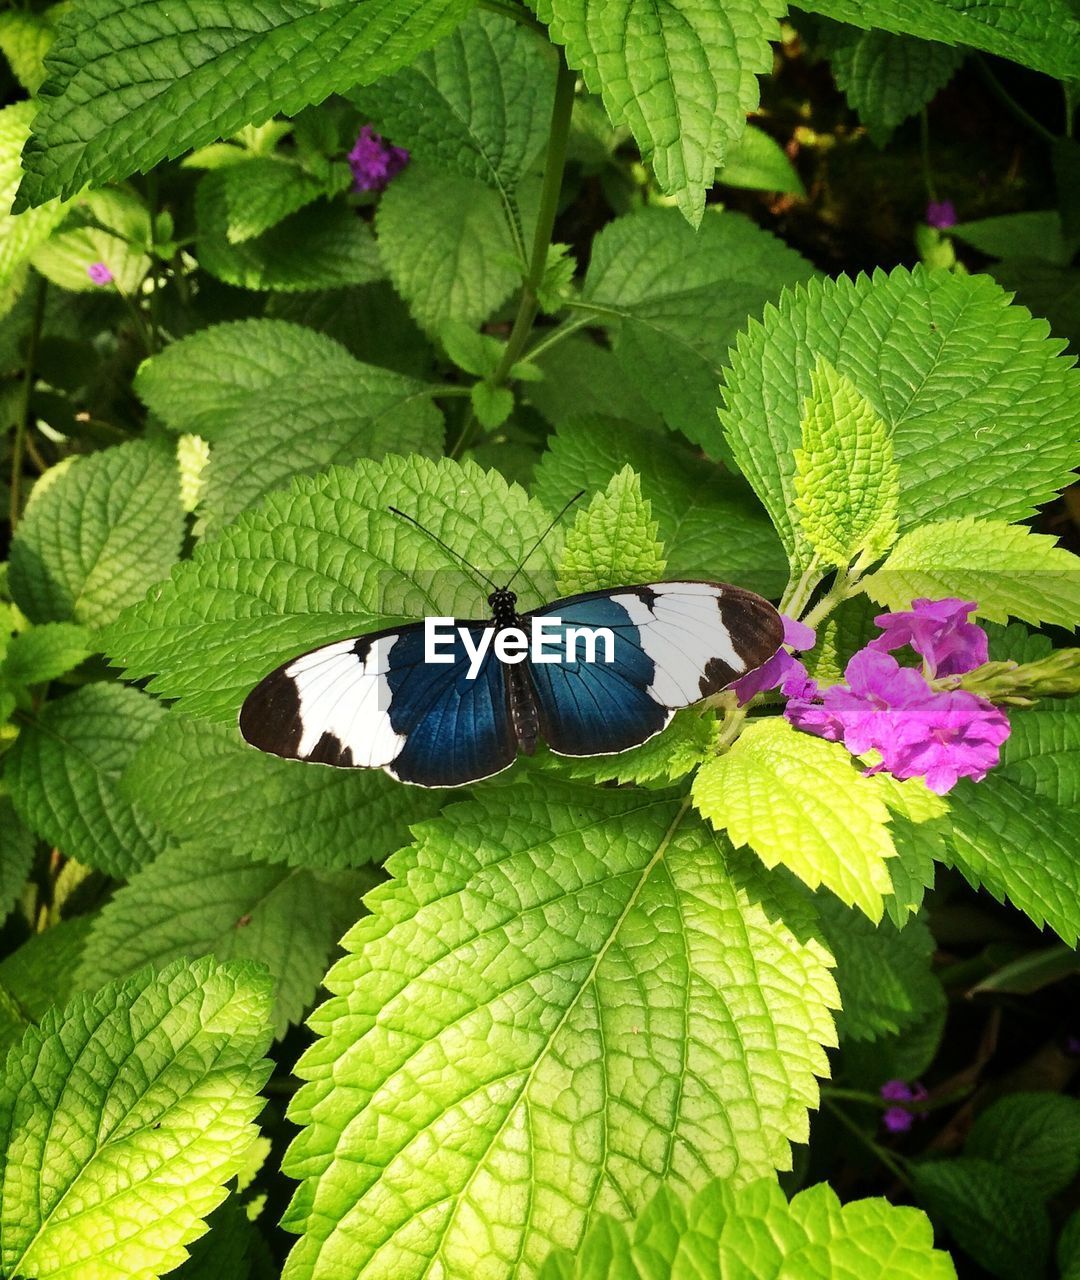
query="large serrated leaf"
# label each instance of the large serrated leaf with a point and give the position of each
(122, 1117)
(326, 560)
(196, 901)
(202, 783)
(984, 410)
(478, 103)
(1044, 34)
(64, 770)
(1035, 1137)
(566, 995)
(16, 854)
(730, 1232)
(320, 247)
(1006, 569)
(676, 299)
(276, 400)
(710, 522)
(681, 74)
(846, 481)
(103, 531)
(886, 77)
(613, 541)
(799, 801)
(131, 84)
(447, 246)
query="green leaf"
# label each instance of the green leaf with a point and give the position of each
(1014, 833)
(447, 246)
(130, 86)
(1035, 1137)
(20, 234)
(711, 524)
(45, 653)
(64, 769)
(677, 298)
(25, 39)
(678, 750)
(919, 825)
(492, 405)
(478, 103)
(1033, 234)
(1068, 1248)
(122, 1117)
(582, 378)
(326, 560)
(800, 801)
(196, 901)
(276, 400)
(39, 975)
(887, 78)
(489, 988)
(1042, 754)
(203, 784)
(16, 854)
(613, 541)
(1006, 569)
(65, 256)
(1000, 1222)
(476, 353)
(322, 246)
(683, 76)
(262, 192)
(225, 1250)
(752, 1231)
(983, 410)
(1044, 35)
(757, 162)
(847, 485)
(884, 974)
(98, 536)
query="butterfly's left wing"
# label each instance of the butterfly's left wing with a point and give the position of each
(373, 702)
(674, 644)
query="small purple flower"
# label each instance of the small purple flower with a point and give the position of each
(896, 1091)
(950, 736)
(99, 273)
(781, 666)
(939, 632)
(375, 162)
(869, 707)
(941, 214)
(897, 1120)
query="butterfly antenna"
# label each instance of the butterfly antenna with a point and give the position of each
(525, 558)
(456, 554)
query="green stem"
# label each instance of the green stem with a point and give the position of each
(845, 586)
(554, 336)
(140, 325)
(1006, 98)
(554, 164)
(887, 1158)
(799, 592)
(22, 424)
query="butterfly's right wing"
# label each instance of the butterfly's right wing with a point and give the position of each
(373, 702)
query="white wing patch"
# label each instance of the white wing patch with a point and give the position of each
(682, 630)
(348, 698)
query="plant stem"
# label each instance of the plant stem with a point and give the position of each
(22, 424)
(552, 337)
(1003, 95)
(887, 1158)
(799, 592)
(554, 164)
(924, 151)
(845, 586)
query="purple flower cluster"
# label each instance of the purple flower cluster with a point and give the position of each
(898, 1119)
(99, 273)
(918, 731)
(375, 162)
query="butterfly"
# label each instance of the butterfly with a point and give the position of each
(448, 705)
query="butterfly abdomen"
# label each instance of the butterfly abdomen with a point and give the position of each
(522, 704)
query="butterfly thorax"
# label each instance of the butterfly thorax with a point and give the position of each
(503, 605)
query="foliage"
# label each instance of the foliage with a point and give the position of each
(272, 275)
